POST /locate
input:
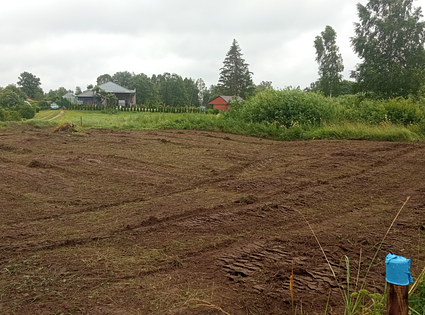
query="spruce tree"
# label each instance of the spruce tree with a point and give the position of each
(235, 77)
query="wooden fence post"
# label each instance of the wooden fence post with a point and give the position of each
(398, 278)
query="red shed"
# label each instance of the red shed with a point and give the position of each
(222, 102)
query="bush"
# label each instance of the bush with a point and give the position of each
(404, 111)
(25, 111)
(9, 115)
(44, 105)
(285, 107)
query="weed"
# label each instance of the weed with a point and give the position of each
(360, 301)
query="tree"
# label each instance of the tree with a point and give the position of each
(22, 95)
(89, 86)
(330, 62)
(235, 77)
(192, 92)
(104, 78)
(122, 78)
(173, 90)
(30, 84)
(264, 85)
(202, 89)
(143, 87)
(390, 41)
(78, 90)
(9, 98)
(56, 95)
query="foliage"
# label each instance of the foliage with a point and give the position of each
(404, 111)
(104, 78)
(192, 92)
(9, 115)
(56, 95)
(235, 77)
(78, 90)
(389, 39)
(122, 78)
(264, 85)
(30, 84)
(173, 90)
(9, 98)
(417, 299)
(12, 87)
(285, 107)
(143, 86)
(111, 99)
(25, 111)
(330, 62)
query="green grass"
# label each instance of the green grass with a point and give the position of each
(385, 131)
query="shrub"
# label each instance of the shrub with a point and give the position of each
(285, 107)
(404, 111)
(25, 111)
(9, 115)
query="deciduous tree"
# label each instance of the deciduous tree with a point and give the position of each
(30, 84)
(330, 62)
(122, 78)
(389, 39)
(104, 78)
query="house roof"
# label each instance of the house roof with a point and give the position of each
(88, 93)
(227, 98)
(111, 87)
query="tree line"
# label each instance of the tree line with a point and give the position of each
(389, 40)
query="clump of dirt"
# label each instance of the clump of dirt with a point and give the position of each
(250, 199)
(38, 164)
(67, 127)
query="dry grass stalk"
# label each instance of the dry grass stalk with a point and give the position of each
(418, 280)
(291, 287)
(321, 248)
(209, 304)
(385, 236)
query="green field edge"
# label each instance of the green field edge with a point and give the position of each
(222, 123)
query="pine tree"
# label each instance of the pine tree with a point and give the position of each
(235, 77)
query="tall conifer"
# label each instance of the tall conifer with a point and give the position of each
(235, 77)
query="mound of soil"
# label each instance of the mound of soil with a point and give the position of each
(68, 127)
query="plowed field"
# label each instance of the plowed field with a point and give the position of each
(164, 222)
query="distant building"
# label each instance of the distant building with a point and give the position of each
(70, 97)
(124, 96)
(222, 102)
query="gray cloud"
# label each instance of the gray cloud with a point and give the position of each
(69, 43)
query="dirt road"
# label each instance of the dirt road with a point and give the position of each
(154, 222)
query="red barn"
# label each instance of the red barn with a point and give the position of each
(222, 102)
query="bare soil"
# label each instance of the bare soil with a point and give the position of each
(165, 222)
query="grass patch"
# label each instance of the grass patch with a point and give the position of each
(230, 123)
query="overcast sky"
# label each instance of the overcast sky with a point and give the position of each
(69, 43)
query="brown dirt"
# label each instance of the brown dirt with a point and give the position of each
(152, 222)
